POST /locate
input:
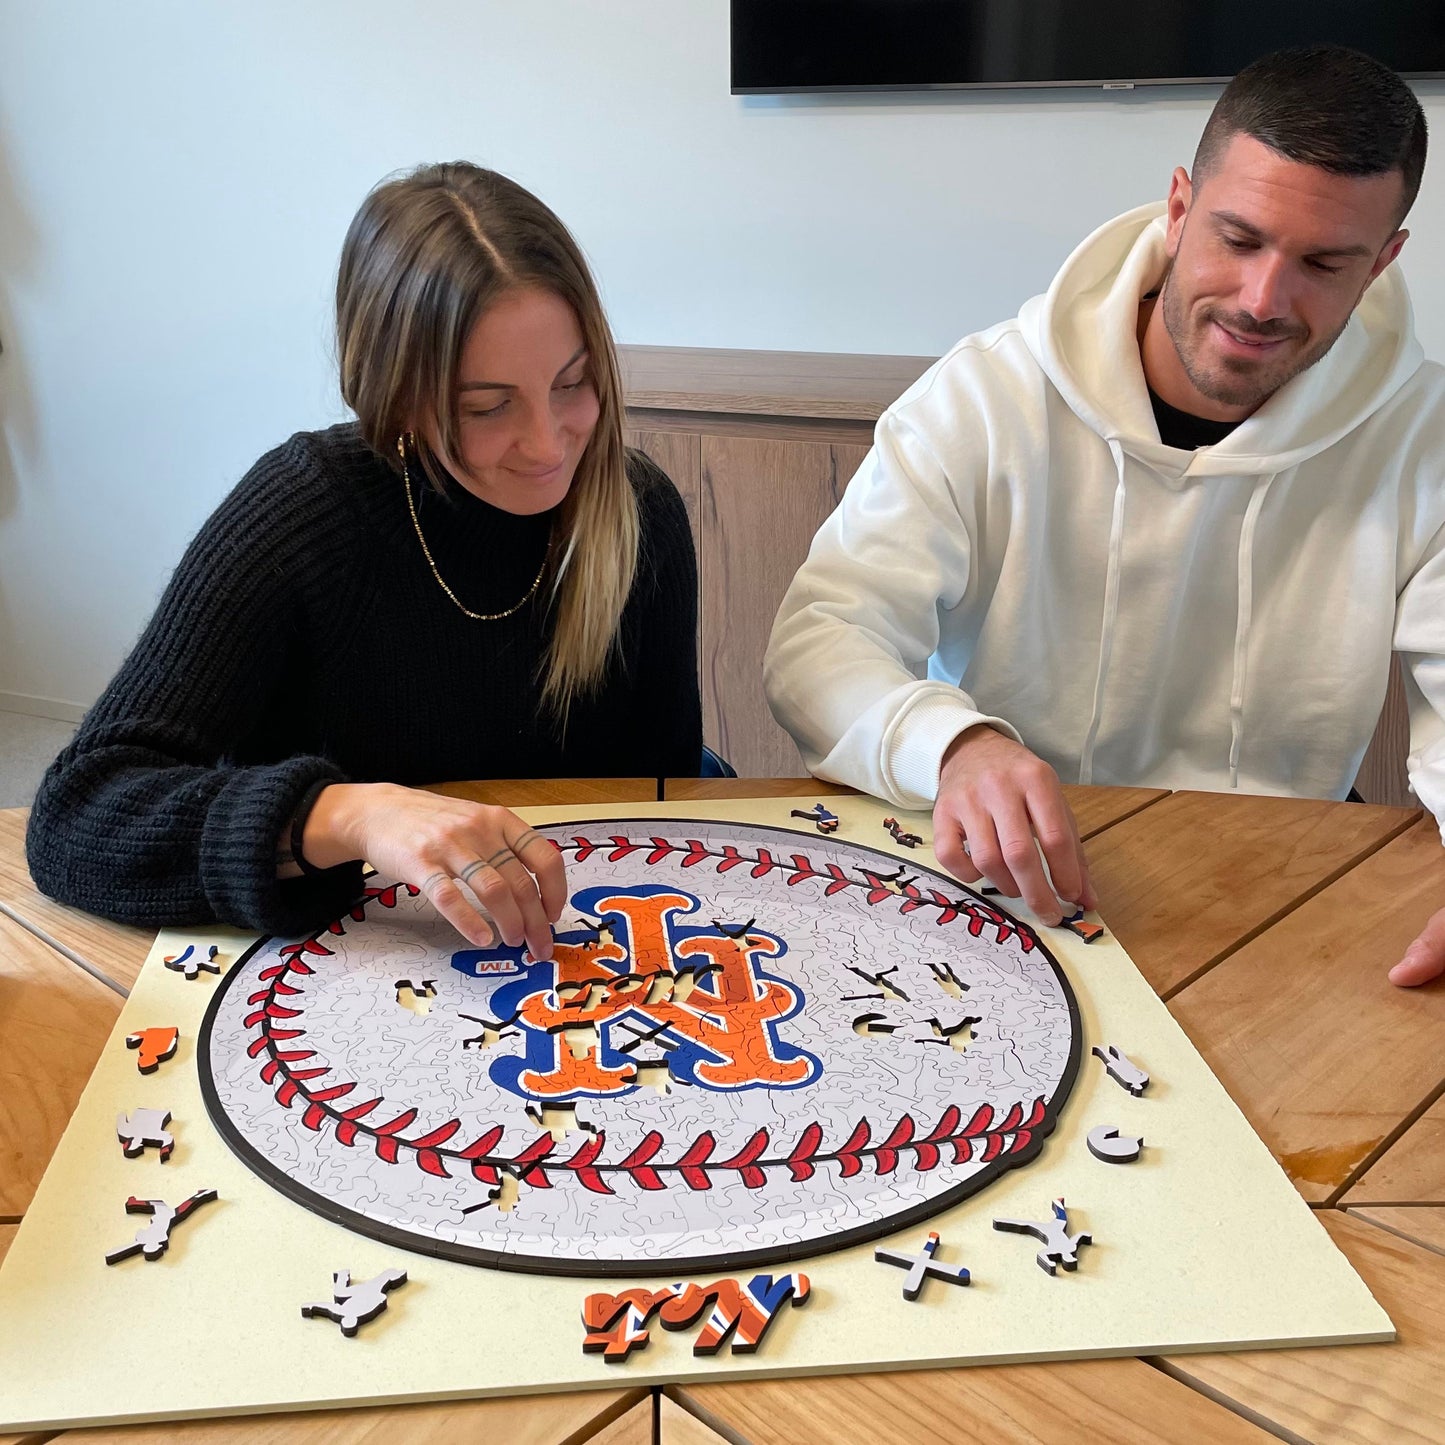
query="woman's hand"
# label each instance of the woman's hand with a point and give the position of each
(435, 844)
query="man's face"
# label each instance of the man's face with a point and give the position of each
(1270, 257)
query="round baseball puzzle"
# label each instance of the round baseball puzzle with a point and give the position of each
(751, 1045)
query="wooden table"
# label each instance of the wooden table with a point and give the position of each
(1266, 924)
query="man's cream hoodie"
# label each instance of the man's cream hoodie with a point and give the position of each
(1019, 548)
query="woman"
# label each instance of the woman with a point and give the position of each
(474, 579)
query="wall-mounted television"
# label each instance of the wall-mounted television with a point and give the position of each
(807, 45)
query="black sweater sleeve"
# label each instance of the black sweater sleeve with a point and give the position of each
(660, 628)
(145, 816)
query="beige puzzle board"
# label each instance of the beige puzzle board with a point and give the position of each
(859, 1007)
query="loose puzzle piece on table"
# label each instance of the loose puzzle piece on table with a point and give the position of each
(1122, 1069)
(142, 1129)
(1061, 1249)
(154, 1047)
(922, 1266)
(191, 962)
(354, 1305)
(1107, 1143)
(155, 1238)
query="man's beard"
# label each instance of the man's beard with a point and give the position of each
(1236, 382)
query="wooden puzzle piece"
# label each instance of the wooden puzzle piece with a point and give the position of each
(155, 1047)
(354, 1305)
(1107, 1143)
(155, 1238)
(742, 1311)
(414, 996)
(143, 1128)
(921, 1266)
(897, 833)
(616, 1324)
(1080, 927)
(190, 963)
(1060, 1248)
(819, 816)
(1122, 1069)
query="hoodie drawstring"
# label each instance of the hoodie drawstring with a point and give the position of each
(1111, 613)
(1243, 617)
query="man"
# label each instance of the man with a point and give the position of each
(1165, 527)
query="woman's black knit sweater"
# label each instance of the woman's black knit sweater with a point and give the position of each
(304, 637)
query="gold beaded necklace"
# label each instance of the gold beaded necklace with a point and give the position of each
(426, 552)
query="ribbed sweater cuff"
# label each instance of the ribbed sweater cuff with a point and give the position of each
(913, 751)
(246, 820)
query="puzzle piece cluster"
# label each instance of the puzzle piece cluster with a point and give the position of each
(616, 1324)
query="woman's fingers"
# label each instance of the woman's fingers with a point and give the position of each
(441, 891)
(545, 863)
(505, 887)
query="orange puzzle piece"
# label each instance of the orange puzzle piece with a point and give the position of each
(155, 1045)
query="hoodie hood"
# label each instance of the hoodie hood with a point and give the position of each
(1082, 332)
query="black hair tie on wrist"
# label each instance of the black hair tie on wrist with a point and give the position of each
(298, 826)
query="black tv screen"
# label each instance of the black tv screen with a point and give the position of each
(802, 45)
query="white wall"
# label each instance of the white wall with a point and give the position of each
(176, 177)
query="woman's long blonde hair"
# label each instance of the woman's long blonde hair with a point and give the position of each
(425, 256)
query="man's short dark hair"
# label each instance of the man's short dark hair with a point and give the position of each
(1325, 106)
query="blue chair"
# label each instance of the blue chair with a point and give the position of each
(715, 766)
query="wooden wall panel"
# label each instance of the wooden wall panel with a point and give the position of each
(1382, 774)
(762, 501)
(679, 454)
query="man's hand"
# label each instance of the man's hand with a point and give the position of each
(1425, 958)
(994, 798)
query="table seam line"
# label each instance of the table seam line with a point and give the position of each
(1225, 1402)
(61, 949)
(1390, 1229)
(1284, 912)
(1387, 1143)
(705, 1416)
(614, 1412)
(1124, 817)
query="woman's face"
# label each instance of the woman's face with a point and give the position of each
(527, 402)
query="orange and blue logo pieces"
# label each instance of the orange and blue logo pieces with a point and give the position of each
(723, 1035)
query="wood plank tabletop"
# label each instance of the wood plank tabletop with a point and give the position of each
(1270, 921)
(686, 790)
(1185, 881)
(634, 1427)
(531, 1420)
(549, 792)
(676, 1426)
(1094, 808)
(54, 1020)
(96, 943)
(1424, 1223)
(1387, 1394)
(1067, 1401)
(1412, 1169)
(1329, 1060)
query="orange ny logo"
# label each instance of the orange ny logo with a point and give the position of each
(700, 991)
